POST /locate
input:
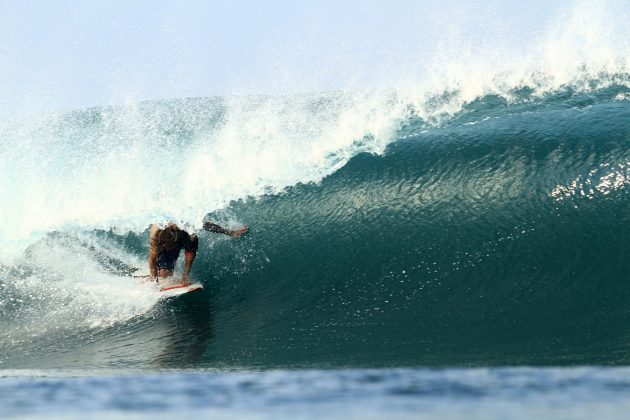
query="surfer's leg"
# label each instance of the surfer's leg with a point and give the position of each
(189, 254)
(163, 272)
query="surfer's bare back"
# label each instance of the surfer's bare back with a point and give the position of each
(166, 243)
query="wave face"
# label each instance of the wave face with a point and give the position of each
(499, 239)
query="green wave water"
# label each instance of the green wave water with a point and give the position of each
(498, 237)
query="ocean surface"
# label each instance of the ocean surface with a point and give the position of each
(480, 393)
(454, 252)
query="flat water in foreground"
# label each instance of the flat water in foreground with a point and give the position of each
(577, 393)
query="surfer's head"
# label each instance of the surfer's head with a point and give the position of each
(166, 239)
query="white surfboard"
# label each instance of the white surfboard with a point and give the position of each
(170, 286)
(179, 289)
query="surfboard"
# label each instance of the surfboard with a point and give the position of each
(170, 286)
(180, 289)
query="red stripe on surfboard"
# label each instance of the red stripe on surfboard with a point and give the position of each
(164, 289)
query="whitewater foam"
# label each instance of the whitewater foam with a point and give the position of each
(62, 283)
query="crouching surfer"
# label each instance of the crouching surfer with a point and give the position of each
(165, 244)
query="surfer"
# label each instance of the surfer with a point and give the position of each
(166, 243)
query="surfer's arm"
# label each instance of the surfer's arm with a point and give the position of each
(211, 227)
(153, 256)
(189, 257)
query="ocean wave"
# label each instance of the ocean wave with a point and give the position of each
(458, 243)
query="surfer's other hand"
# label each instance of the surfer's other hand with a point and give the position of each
(237, 233)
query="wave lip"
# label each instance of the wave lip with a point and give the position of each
(125, 168)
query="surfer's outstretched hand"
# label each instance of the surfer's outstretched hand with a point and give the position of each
(237, 233)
